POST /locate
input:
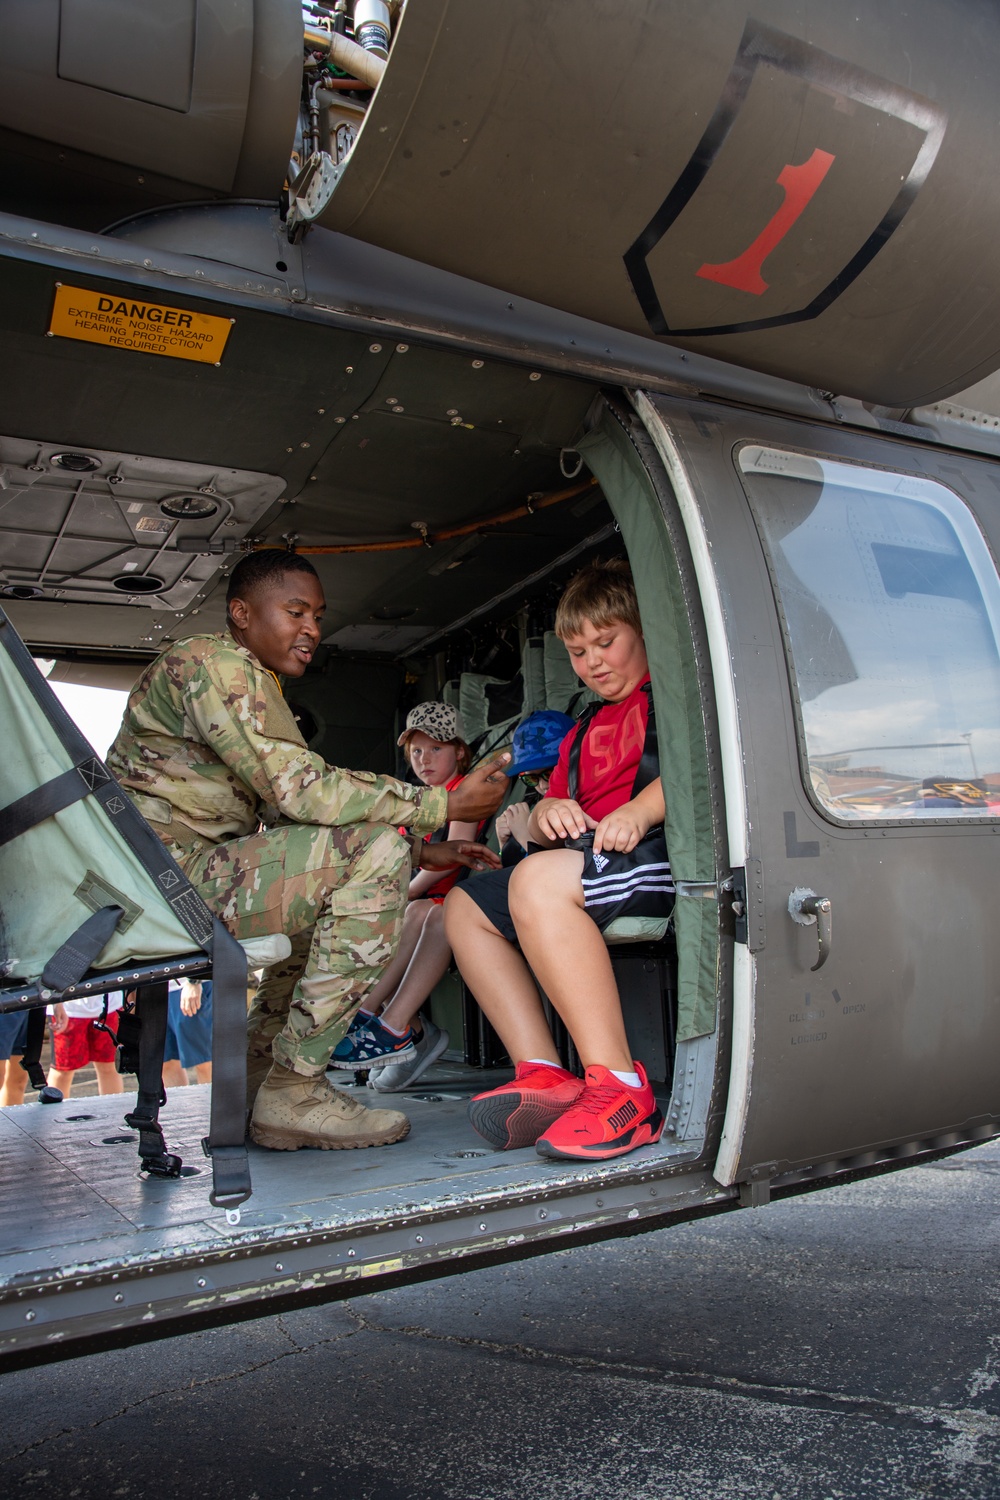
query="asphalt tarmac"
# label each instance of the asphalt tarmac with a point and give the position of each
(841, 1344)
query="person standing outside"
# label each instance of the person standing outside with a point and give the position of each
(209, 750)
(189, 1033)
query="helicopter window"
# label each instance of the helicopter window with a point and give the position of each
(890, 604)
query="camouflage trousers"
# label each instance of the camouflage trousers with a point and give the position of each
(340, 895)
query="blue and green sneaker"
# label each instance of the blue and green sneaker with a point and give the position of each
(371, 1045)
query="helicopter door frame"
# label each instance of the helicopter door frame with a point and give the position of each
(733, 772)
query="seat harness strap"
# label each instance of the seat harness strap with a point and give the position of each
(52, 797)
(649, 766)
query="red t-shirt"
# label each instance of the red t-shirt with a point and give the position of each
(609, 756)
(440, 889)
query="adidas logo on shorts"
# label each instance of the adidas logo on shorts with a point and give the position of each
(600, 860)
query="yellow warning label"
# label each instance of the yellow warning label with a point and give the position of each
(133, 323)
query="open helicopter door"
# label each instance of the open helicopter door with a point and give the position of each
(852, 608)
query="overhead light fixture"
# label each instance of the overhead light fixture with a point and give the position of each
(22, 591)
(138, 583)
(75, 463)
(188, 507)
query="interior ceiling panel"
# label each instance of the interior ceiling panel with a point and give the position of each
(98, 528)
(296, 411)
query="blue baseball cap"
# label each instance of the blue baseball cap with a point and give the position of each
(536, 742)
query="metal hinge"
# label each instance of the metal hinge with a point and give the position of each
(746, 885)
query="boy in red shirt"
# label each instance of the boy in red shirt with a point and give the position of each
(602, 855)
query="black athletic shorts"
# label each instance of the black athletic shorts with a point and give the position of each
(638, 884)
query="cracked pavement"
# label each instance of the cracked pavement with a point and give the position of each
(841, 1344)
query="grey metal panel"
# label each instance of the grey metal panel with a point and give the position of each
(103, 1249)
(140, 52)
(896, 1038)
(199, 143)
(272, 107)
(533, 147)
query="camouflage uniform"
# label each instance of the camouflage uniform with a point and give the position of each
(208, 750)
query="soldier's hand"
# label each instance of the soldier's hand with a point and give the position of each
(480, 793)
(457, 852)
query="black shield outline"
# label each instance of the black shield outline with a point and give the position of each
(834, 75)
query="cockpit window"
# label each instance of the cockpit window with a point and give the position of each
(890, 604)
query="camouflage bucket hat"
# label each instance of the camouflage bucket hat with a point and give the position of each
(438, 720)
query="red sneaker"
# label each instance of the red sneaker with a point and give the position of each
(516, 1113)
(608, 1119)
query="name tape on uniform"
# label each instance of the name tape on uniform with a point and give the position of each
(133, 323)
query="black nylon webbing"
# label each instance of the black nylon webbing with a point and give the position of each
(151, 1015)
(649, 765)
(49, 798)
(227, 1127)
(228, 1120)
(31, 1059)
(70, 962)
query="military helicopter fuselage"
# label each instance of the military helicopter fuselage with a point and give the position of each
(452, 295)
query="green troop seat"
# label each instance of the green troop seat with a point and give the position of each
(90, 902)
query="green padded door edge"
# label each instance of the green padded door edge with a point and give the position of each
(679, 719)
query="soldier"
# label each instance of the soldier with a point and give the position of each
(208, 749)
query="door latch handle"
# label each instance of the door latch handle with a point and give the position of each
(806, 908)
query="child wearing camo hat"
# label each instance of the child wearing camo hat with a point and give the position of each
(388, 1035)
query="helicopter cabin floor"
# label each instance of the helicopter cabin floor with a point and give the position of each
(88, 1203)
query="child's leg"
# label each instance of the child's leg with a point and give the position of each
(568, 956)
(61, 1079)
(414, 918)
(429, 963)
(499, 978)
(203, 1072)
(109, 1080)
(15, 1082)
(174, 1076)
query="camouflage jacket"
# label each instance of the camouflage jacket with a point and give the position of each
(209, 746)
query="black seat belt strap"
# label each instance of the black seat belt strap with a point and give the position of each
(151, 1018)
(52, 797)
(227, 1126)
(648, 768)
(69, 963)
(31, 1058)
(573, 769)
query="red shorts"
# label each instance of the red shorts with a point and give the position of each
(81, 1043)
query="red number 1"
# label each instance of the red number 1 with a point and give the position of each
(800, 184)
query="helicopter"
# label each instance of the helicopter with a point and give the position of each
(452, 296)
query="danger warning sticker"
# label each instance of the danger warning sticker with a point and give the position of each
(133, 323)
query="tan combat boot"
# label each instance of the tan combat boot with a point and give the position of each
(293, 1111)
(257, 1070)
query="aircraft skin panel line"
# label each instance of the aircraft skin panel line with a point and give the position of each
(738, 1098)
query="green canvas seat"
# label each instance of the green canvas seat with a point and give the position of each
(90, 901)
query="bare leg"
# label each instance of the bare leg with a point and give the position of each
(63, 1081)
(429, 963)
(499, 978)
(203, 1072)
(15, 1082)
(382, 993)
(109, 1080)
(3, 1071)
(568, 955)
(174, 1076)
